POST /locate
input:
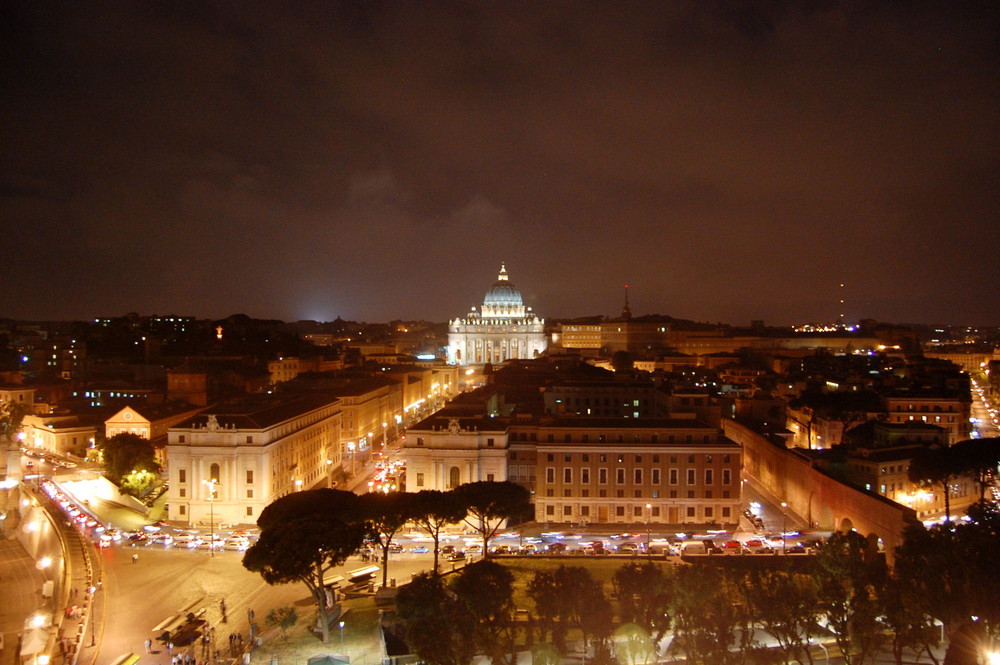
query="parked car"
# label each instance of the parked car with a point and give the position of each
(420, 549)
(456, 555)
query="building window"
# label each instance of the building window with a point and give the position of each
(489, 442)
(620, 494)
(709, 478)
(420, 440)
(584, 511)
(182, 475)
(550, 492)
(637, 476)
(249, 494)
(584, 476)
(584, 492)
(179, 440)
(567, 458)
(183, 493)
(249, 511)
(673, 476)
(550, 511)
(213, 473)
(249, 439)
(249, 476)
(602, 476)
(602, 493)
(567, 475)
(550, 458)
(454, 478)
(620, 511)
(690, 511)
(726, 476)
(183, 510)
(489, 477)
(656, 476)
(550, 475)
(725, 512)
(620, 476)
(709, 512)
(690, 477)
(420, 480)
(636, 511)
(567, 511)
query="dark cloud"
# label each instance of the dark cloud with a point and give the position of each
(728, 160)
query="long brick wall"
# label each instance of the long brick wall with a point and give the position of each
(815, 497)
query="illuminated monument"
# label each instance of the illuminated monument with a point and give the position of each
(504, 329)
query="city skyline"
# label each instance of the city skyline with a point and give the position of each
(728, 161)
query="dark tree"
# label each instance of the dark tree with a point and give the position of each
(622, 361)
(125, 453)
(710, 625)
(490, 504)
(979, 458)
(907, 617)
(303, 536)
(433, 511)
(437, 623)
(544, 591)
(644, 592)
(487, 589)
(385, 514)
(783, 604)
(934, 467)
(851, 576)
(11, 416)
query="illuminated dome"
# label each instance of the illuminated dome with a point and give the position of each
(503, 293)
(503, 329)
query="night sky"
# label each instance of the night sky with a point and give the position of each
(373, 161)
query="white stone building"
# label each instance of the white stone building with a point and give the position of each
(503, 329)
(229, 463)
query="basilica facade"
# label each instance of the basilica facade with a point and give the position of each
(504, 329)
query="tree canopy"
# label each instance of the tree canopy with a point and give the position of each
(491, 503)
(303, 536)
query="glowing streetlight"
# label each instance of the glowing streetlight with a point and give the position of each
(211, 514)
(341, 637)
(649, 518)
(784, 516)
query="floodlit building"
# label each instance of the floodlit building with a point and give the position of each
(231, 461)
(504, 329)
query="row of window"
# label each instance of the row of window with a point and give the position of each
(182, 510)
(182, 493)
(213, 474)
(619, 457)
(617, 438)
(637, 476)
(639, 513)
(638, 494)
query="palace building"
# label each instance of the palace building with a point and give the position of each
(504, 329)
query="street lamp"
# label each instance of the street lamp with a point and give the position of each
(784, 516)
(341, 637)
(649, 517)
(211, 515)
(384, 425)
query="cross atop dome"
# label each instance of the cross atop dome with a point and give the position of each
(502, 277)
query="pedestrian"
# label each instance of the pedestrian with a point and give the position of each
(135, 558)
(149, 645)
(222, 606)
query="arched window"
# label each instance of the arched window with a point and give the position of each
(213, 473)
(453, 478)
